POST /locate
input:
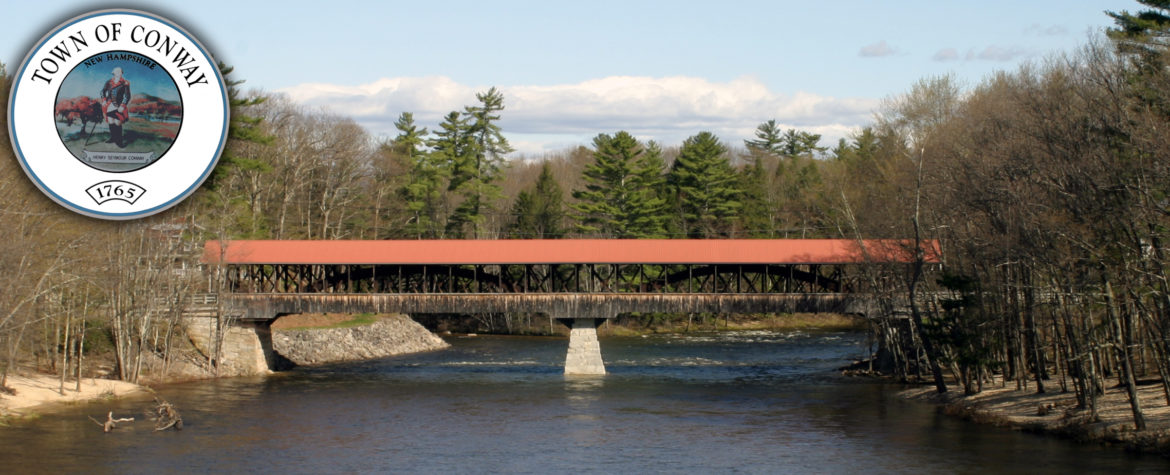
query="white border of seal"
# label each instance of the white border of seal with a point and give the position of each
(77, 204)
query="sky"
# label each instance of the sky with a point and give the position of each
(661, 70)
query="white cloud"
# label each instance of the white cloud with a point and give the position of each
(989, 53)
(877, 50)
(1051, 30)
(432, 94)
(946, 54)
(996, 53)
(542, 118)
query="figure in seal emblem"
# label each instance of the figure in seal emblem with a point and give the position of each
(115, 98)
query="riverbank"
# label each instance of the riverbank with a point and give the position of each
(33, 392)
(1055, 413)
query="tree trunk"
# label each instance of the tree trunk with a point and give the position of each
(1033, 338)
(1123, 341)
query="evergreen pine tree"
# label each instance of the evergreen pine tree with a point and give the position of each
(619, 199)
(243, 128)
(451, 150)
(768, 139)
(524, 212)
(540, 213)
(652, 175)
(1146, 33)
(1144, 38)
(756, 214)
(480, 169)
(652, 171)
(705, 186)
(798, 143)
(242, 160)
(423, 194)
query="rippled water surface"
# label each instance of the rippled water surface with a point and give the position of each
(755, 402)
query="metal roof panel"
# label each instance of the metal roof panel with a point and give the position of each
(568, 251)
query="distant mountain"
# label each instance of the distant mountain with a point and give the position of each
(155, 107)
(147, 98)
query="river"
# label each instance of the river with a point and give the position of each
(752, 402)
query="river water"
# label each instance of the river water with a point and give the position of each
(754, 402)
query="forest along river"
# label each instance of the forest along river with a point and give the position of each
(761, 402)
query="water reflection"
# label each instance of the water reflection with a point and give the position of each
(582, 392)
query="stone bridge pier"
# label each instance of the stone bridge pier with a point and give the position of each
(584, 354)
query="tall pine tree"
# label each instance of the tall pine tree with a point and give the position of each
(243, 129)
(798, 143)
(539, 213)
(477, 173)
(423, 195)
(1146, 33)
(756, 214)
(620, 198)
(1144, 37)
(451, 150)
(768, 139)
(704, 185)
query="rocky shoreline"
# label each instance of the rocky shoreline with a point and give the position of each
(388, 336)
(1055, 413)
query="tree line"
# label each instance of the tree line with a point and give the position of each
(311, 175)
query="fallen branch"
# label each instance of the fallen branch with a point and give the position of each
(111, 423)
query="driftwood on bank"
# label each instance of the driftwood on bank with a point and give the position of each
(111, 423)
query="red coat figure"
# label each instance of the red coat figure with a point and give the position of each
(115, 98)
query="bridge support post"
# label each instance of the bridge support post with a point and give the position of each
(584, 356)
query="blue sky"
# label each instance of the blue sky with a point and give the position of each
(569, 70)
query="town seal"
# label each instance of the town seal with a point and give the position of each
(118, 114)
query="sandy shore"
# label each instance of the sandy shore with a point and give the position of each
(36, 390)
(1056, 413)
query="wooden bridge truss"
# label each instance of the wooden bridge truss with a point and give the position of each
(537, 278)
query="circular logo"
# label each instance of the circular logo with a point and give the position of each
(118, 114)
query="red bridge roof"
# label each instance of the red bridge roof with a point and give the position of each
(569, 251)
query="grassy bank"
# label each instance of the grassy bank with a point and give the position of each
(645, 325)
(317, 321)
